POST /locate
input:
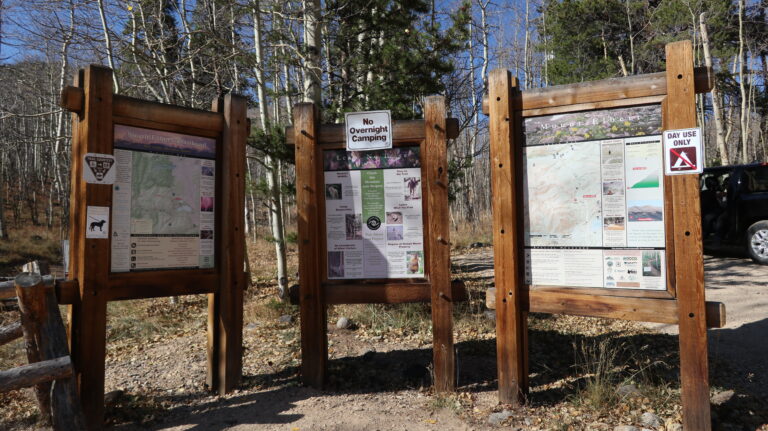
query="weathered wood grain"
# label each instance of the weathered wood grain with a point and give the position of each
(404, 130)
(679, 110)
(434, 175)
(640, 309)
(613, 89)
(314, 340)
(89, 258)
(35, 374)
(10, 332)
(226, 304)
(510, 323)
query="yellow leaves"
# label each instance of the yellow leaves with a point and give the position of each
(430, 421)
(614, 128)
(627, 123)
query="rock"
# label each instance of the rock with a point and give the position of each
(675, 427)
(722, 397)
(343, 323)
(498, 418)
(625, 428)
(628, 391)
(285, 318)
(110, 398)
(490, 315)
(650, 420)
(252, 325)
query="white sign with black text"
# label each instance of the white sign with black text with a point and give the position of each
(371, 130)
(682, 152)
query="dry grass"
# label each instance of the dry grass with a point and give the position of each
(467, 232)
(34, 243)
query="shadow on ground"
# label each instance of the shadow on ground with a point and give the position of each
(552, 359)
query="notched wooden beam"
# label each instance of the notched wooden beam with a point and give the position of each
(630, 87)
(614, 307)
(386, 293)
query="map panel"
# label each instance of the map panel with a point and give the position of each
(163, 200)
(594, 199)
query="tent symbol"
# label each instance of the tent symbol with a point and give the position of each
(683, 162)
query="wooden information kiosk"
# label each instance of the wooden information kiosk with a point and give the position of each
(373, 228)
(586, 222)
(156, 210)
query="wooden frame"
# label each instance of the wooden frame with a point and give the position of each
(95, 112)
(316, 290)
(681, 303)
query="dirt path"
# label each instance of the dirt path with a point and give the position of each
(740, 349)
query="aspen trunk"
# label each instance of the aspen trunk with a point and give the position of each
(716, 108)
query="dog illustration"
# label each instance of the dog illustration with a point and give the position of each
(99, 224)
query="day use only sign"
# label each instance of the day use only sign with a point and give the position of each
(683, 153)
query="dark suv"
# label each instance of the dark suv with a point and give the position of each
(734, 209)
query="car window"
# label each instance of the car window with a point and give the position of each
(756, 179)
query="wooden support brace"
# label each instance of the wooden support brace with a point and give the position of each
(511, 323)
(314, 337)
(679, 111)
(435, 179)
(611, 307)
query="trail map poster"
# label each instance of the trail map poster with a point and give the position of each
(594, 199)
(373, 218)
(163, 200)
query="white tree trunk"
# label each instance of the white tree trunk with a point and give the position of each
(108, 43)
(743, 88)
(716, 108)
(273, 167)
(312, 68)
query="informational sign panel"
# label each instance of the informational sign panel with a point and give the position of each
(99, 168)
(373, 207)
(163, 200)
(683, 152)
(594, 199)
(98, 222)
(370, 130)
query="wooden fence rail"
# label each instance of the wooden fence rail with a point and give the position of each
(50, 369)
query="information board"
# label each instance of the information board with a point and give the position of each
(163, 200)
(373, 207)
(594, 199)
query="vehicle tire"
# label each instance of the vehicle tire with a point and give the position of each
(757, 242)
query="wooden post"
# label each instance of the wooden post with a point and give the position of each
(435, 179)
(225, 307)
(680, 113)
(89, 258)
(511, 325)
(314, 339)
(32, 311)
(39, 301)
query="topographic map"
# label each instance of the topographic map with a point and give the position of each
(165, 194)
(562, 195)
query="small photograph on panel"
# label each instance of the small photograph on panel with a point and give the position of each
(613, 188)
(206, 203)
(333, 192)
(651, 263)
(395, 217)
(613, 223)
(207, 171)
(206, 234)
(394, 233)
(354, 226)
(335, 264)
(645, 210)
(415, 262)
(412, 189)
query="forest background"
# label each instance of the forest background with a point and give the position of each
(350, 55)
